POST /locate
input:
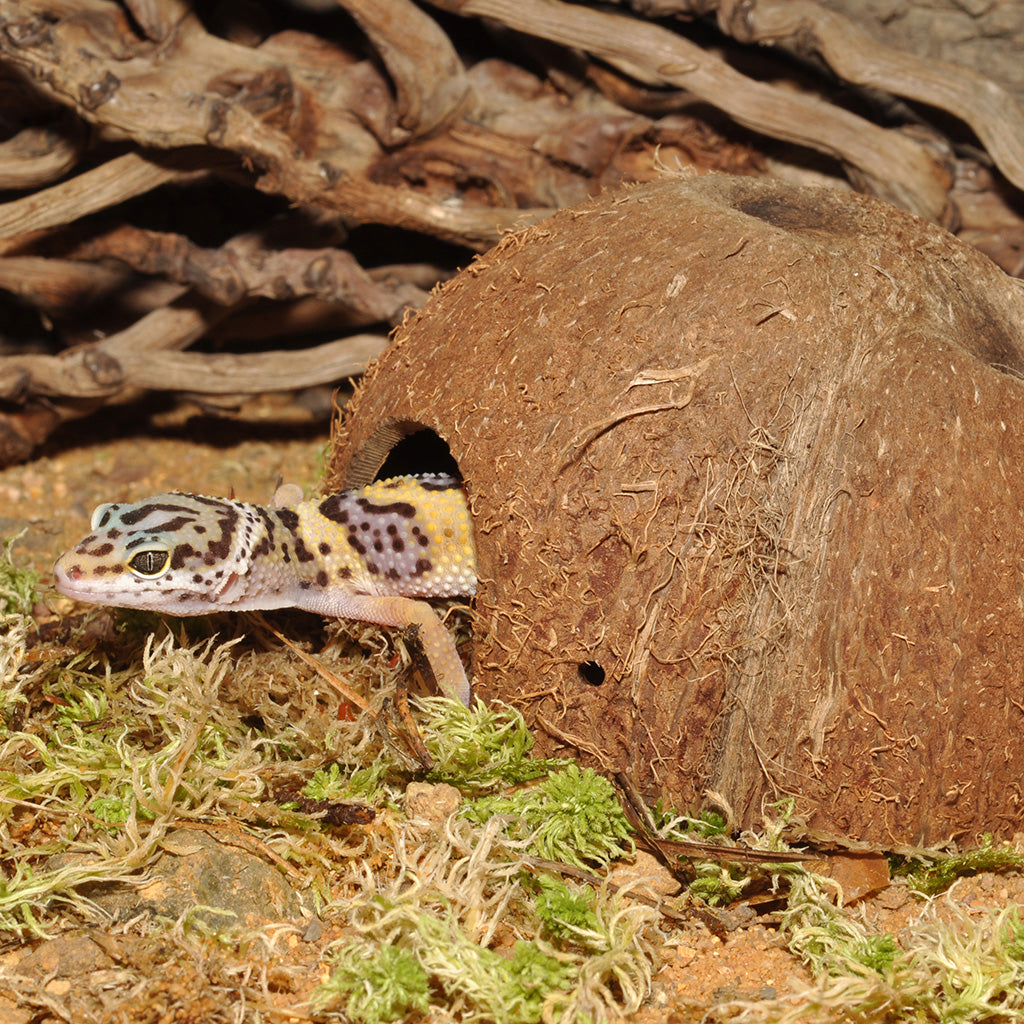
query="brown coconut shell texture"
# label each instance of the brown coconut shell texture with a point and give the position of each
(745, 467)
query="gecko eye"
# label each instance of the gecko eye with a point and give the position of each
(149, 563)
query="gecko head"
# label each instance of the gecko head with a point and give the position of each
(176, 553)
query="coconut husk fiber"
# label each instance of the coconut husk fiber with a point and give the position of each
(745, 466)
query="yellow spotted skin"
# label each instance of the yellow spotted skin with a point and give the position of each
(368, 554)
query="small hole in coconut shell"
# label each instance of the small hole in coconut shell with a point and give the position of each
(591, 673)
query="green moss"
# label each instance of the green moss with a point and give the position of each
(478, 748)
(572, 816)
(530, 977)
(564, 912)
(377, 983)
(1011, 937)
(717, 884)
(332, 782)
(939, 875)
(505, 991)
(374, 984)
(877, 953)
(702, 824)
(17, 586)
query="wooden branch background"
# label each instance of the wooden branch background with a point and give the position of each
(300, 175)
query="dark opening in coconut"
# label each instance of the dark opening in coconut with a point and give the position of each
(398, 448)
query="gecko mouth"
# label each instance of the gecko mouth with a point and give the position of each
(68, 580)
(71, 581)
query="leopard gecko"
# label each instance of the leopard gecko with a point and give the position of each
(366, 554)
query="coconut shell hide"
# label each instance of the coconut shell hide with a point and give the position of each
(745, 467)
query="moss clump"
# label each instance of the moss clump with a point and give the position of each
(331, 783)
(938, 876)
(565, 913)
(572, 816)
(477, 748)
(719, 884)
(460, 906)
(17, 586)
(375, 984)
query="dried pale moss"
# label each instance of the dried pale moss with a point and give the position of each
(452, 899)
(117, 758)
(946, 968)
(456, 896)
(456, 921)
(104, 762)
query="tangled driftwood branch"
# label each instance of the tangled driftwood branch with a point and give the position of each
(134, 114)
(857, 57)
(898, 168)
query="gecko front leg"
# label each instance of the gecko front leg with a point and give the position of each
(437, 642)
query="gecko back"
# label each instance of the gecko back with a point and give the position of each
(188, 554)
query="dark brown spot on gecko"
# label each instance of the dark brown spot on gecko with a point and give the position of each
(172, 525)
(398, 508)
(197, 578)
(324, 548)
(103, 549)
(304, 584)
(289, 518)
(423, 565)
(448, 483)
(393, 574)
(321, 578)
(378, 546)
(344, 573)
(356, 543)
(302, 553)
(113, 534)
(267, 522)
(330, 508)
(180, 553)
(221, 547)
(138, 514)
(398, 544)
(263, 548)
